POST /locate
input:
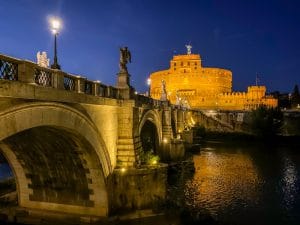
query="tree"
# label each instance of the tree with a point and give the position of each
(266, 122)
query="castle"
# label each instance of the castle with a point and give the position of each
(187, 83)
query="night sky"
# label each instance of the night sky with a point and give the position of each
(246, 36)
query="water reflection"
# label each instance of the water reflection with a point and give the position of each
(246, 185)
(288, 182)
(222, 176)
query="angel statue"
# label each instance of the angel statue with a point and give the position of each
(125, 57)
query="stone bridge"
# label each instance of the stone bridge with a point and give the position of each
(76, 146)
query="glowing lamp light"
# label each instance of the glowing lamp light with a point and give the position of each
(165, 140)
(55, 25)
(123, 170)
(154, 162)
(149, 81)
(136, 92)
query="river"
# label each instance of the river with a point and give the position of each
(242, 184)
(246, 184)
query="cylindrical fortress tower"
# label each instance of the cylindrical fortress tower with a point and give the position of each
(187, 79)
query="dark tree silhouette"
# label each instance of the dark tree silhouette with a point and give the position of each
(266, 122)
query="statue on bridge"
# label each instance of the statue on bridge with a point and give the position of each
(163, 96)
(125, 57)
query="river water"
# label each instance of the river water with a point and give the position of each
(241, 184)
(246, 184)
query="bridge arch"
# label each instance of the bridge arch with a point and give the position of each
(151, 126)
(69, 137)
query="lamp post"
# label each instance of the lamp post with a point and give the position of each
(55, 26)
(149, 85)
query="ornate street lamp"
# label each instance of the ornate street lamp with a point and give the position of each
(55, 27)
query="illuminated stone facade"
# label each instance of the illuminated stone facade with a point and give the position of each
(200, 87)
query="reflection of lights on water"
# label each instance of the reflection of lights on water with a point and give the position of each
(289, 181)
(223, 179)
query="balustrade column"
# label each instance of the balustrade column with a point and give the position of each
(95, 89)
(26, 72)
(58, 79)
(80, 82)
(108, 91)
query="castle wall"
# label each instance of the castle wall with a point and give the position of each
(205, 88)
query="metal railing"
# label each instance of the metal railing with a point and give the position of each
(114, 92)
(102, 90)
(69, 82)
(88, 87)
(8, 69)
(43, 76)
(28, 72)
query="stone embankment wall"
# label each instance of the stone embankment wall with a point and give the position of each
(133, 189)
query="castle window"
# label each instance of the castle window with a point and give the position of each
(181, 64)
(174, 64)
(188, 63)
(195, 64)
(195, 68)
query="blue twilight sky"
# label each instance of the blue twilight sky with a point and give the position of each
(248, 37)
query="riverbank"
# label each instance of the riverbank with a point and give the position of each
(246, 139)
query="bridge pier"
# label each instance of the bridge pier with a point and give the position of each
(137, 188)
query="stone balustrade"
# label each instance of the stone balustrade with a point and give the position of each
(29, 72)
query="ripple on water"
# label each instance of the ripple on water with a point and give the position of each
(224, 181)
(246, 186)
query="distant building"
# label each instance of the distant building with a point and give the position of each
(42, 59)
(205, 88)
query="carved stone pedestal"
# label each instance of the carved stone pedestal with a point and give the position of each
(123, 79)
(123, 83)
